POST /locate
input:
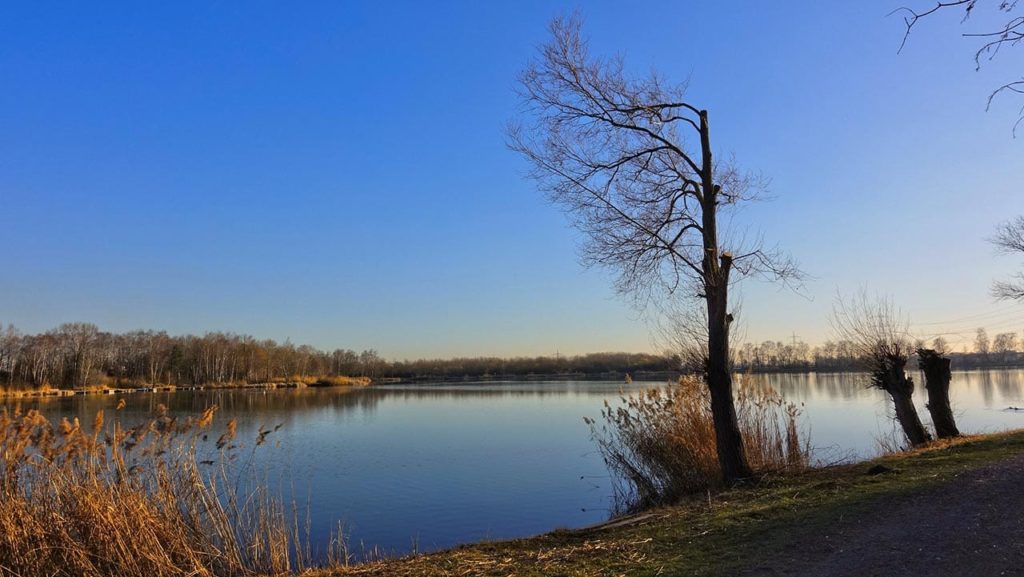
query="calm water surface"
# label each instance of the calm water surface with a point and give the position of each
(430, 466)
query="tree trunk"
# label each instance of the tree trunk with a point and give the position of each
(936, 381)
(729, 441)
(901, 388)
(716, 267)
(906, 413)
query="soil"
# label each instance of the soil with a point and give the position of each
(971, 525)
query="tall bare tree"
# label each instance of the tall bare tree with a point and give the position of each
(630, 160)
(1009, 239)
(80, 343)
(880, 336)
(1008, 33)
(12, 346)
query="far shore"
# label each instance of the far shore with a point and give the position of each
(643, 376)
(330, 382)
(358, 382)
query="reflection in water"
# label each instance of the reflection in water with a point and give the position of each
(803, 386)
(849, 386)
(454, 463)
(847, 418)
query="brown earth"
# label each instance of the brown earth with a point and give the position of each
(971, 525)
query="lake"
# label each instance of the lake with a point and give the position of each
(427, 466)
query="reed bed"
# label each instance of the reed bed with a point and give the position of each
(341, 381)
(160, 498)
(659, 444)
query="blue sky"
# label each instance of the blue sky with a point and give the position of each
(335, 172)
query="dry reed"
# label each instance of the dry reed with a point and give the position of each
(153, 500)
(659, 444)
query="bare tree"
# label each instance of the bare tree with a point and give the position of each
(630, 161)
(12, 346)
(80, 346)
(1003, 344)
(981, 342)
(1009, 33)
(1009, 239)
(879, 334)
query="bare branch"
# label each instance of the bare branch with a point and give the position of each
(880, 336)
(1011, 33)
(1009, 236)
(879, 332)
(1009, 239)
(912, 17)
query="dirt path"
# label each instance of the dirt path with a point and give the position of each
(972, 525)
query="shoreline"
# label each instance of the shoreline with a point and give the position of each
(725, 533)
(360, 382)
(722, 532)
(641, 376)
(355, 382)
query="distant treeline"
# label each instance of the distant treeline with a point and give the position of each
(79, 355)
(590, 365)
(1005, 350)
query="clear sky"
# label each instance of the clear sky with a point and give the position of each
(335, 172)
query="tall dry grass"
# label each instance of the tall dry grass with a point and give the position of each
(342, 381)
(325, 381)
(659, 444)
(153, 500)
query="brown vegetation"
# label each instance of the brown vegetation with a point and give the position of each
(80, 356)
(157, 499)
(338, 381)
(659, 444)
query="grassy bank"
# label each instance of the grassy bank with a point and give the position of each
(711, 535)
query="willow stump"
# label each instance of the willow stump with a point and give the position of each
(937, 375)
(892, 378)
